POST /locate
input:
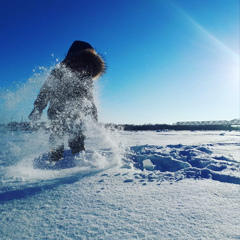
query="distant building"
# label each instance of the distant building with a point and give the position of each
(221, 122)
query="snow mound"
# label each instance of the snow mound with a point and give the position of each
(181, 161)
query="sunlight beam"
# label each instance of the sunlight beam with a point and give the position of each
(207, 34)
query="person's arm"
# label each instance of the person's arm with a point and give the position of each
(41, 102)
(94, 112)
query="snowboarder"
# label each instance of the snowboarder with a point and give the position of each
(69, 92)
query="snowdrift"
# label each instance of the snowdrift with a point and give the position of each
(181, 161)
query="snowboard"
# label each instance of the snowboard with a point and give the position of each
(68, 161)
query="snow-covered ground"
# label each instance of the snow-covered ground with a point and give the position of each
(127, 185)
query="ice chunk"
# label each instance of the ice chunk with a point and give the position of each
(147, 164)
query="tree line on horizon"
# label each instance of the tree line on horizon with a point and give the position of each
(27, 126)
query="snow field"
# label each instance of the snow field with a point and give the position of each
(106, 206)
(128, 185)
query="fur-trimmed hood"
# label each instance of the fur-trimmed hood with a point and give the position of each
(81, 57)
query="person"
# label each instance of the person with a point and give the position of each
(69, 93)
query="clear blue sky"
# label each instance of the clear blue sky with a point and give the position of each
(168, 60)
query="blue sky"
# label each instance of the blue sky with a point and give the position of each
(168, 60)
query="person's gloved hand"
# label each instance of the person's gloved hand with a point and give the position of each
(35, 115)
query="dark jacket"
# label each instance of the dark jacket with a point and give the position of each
(69, 88)
(67, 93)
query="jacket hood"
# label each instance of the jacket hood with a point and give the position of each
(77, 47)
(82, 57)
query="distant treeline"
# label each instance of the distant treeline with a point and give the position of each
(161, 127)
(27, 126)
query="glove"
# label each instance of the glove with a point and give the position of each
(35, 115)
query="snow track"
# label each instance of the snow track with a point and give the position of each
(186, 162)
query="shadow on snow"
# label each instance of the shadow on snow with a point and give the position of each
(30, 189)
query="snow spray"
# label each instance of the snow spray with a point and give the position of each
(21, 147)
